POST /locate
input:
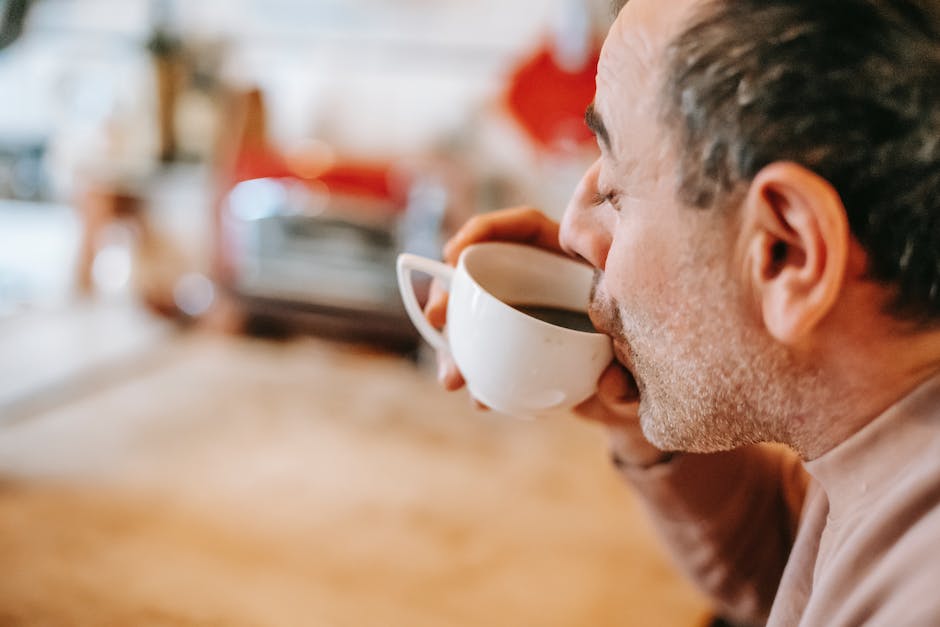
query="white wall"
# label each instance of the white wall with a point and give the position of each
(383, 77)
(382, 73)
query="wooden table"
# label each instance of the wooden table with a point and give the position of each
(235, 482)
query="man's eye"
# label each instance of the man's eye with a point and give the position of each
(601, 198)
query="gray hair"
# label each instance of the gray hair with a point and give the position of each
(848, 88)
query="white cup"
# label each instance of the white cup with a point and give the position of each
(512, 362)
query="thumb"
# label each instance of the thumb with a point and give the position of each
(615, 402)
(617, 386)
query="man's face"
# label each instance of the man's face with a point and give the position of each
(670, 289)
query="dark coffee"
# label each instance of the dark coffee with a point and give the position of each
(567, 318)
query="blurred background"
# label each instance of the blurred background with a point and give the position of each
(213, 410)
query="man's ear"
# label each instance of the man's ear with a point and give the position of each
(797, 248)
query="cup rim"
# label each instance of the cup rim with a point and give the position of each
(462, 265)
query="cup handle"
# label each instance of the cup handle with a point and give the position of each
(407, 264)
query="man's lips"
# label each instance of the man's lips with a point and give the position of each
(602, 322)
(596, 313)
(621, 352)
(622, 355)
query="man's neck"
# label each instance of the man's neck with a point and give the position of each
(867, 376)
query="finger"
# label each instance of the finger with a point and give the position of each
(480, 406)
(617, 386)
(616, 399)
(436, 308)
(447, 373)
(522, 224)
(594, 410)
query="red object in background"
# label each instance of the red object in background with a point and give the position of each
(258, 163)
(247, 153)
(350, 178)
(549, 102)
(364, 180)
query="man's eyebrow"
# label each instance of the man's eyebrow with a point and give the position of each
(594, 122)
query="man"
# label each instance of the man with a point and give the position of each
(764, 220)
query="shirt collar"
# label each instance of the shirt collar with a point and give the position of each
(860, 469)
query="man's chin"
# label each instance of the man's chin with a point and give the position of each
(664, 440)
(667, 436)
(664, 434)
(652, 429)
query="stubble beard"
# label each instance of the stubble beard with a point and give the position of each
(709, 379)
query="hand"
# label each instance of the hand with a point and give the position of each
(523, 225)
(616, 405)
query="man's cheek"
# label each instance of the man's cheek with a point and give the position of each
(618, 277)
(638, 272)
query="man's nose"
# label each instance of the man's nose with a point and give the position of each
(584, 229)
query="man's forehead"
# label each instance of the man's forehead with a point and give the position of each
(634, 50)
(649, 25)
(630, 72)
(654, 8)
